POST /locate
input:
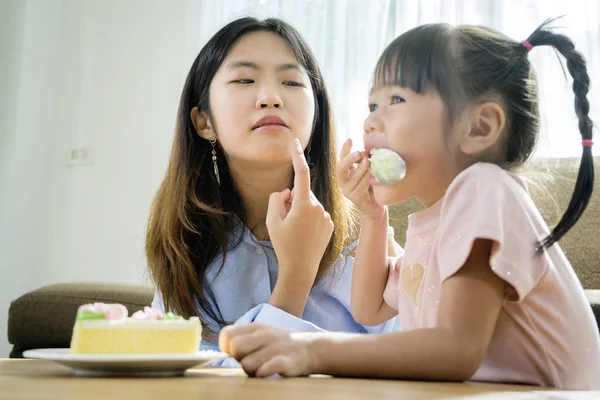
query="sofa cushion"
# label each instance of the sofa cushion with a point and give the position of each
(594, 299)
(44, 317)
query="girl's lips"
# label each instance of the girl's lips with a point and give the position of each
(271, 127)
(270, 120)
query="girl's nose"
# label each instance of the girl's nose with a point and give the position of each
(373, 124)
(269, 98)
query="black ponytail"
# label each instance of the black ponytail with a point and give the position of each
(581, 83)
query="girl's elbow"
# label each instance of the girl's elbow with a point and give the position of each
(465, 372)
(462, 357)
(457, 371)
(363, 318)
(359, 317)
(469, 362)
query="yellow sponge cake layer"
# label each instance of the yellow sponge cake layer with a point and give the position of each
(131, 336)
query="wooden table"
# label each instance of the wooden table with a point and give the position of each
(39, 380)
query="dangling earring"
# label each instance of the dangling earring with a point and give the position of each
(213, 141)
(308, 148)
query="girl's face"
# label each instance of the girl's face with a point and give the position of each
(261, 98)
(414, 126)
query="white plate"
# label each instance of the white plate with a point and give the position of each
(127, 364)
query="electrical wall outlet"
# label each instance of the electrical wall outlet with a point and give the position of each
(80, 156)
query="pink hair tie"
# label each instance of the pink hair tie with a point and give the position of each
(527, 45)
(587, 143)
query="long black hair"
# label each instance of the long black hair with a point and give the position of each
(464, 63)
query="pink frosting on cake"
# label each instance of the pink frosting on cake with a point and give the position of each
(111, 312)
(148, 314)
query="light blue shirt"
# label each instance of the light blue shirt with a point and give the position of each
(240, 292)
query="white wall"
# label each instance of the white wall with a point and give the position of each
(10, 38)
(84, 74)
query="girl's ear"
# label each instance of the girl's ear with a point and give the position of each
(202, 124)
(486, 124)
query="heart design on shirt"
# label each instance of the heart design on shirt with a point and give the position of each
(412, 279)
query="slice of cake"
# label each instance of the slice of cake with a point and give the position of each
(106, 329)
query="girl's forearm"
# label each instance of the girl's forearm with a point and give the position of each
(370, 273)
(428, 354)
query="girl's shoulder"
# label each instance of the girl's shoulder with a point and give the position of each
(488, 187)
(487, 179)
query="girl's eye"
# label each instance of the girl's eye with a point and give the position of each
(396, 100)
(243, 81)
(373, 107)
(293, 83)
